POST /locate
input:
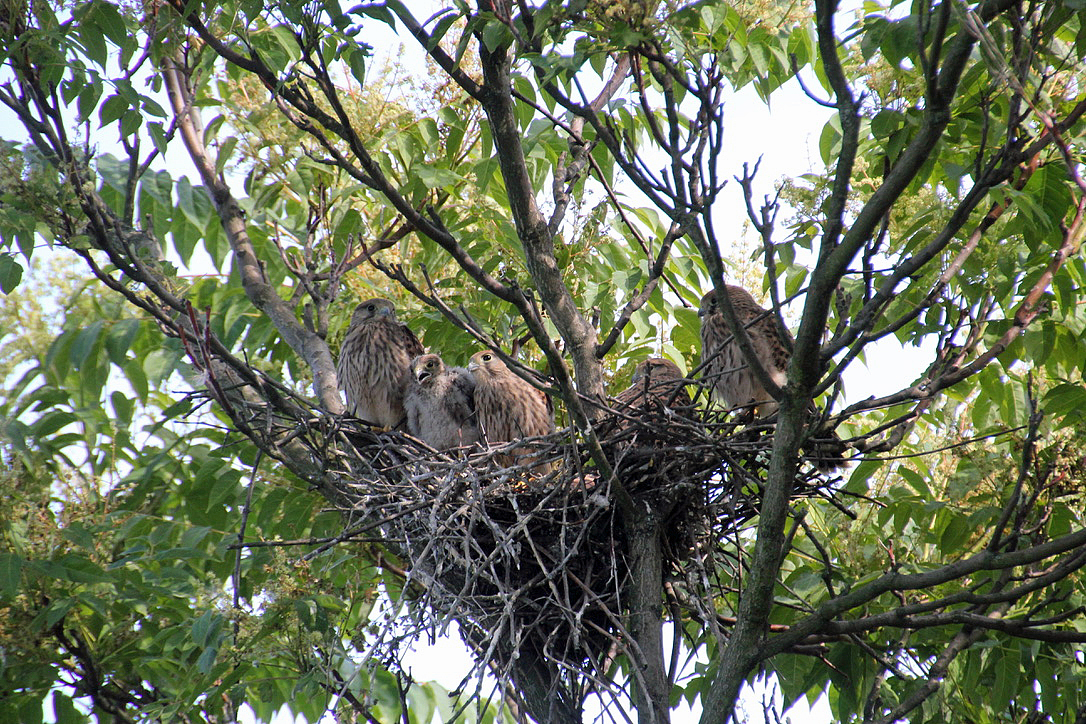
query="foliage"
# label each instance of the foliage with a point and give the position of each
(120, 583)
(548, 184)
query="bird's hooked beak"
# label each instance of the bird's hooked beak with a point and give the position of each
(708, 302)
(423, 374)
(473, 365)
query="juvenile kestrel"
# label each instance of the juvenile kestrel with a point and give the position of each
(508, 408)
(656, 379)
(732, 380)
(374, 361)
(440, 404)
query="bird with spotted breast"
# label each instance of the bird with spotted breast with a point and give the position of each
(374, 361)
(440, 404)
(732, 380)
(656, 379)
(508, 408)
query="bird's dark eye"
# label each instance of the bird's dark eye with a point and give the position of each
(487, 357)
(371, 307)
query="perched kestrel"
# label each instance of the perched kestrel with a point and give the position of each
(656, 379)
(508, 408)
(374, 361)
(732, 380)
(440, 404)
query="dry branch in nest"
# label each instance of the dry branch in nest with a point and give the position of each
(532, 568)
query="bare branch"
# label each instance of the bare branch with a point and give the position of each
(307, 344)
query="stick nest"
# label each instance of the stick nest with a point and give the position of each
(534, 559)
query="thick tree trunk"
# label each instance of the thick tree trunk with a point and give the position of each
(544, 696)
(537, 681)
(651, 687)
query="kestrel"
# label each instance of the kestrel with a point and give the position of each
(374, 361)
(440, 404)
(732, 380)
(656, 379)
(508, 408)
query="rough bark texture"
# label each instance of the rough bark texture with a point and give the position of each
(536, 236)
(306, 343)
(651, 688)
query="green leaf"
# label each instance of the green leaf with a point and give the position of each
(441, 27)
(185, 200)
(224, 485)
(131, 122)
(109, 20)
(899, 40)
(226, 151)
(30, 711)
(122, 407)
(206, 628)
(186, 237)
(119, 339)
(177, 409)
(158, 136)
(52, 421)
(77, 533)
(160, 364)
(954, 535)
(436, 177)
(917, 482)
(421, 704)
(379, 11)
(1066, 401)
(886, 122)
(133, 372)
(84, 343)
(11, 570)
(206, 662)
(829, 143)
(496, 35)
(72, 567)
(356, 61)
(88, 99)
(861, 475)
(1007, 676)
(11, 273)
(94, 42)
(112, 110)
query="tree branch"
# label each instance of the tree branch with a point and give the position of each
(305, 343)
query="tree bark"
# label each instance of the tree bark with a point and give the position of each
(537, 681)
(651, 688)
(308, 345)
(542, 692)
(532, 228)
